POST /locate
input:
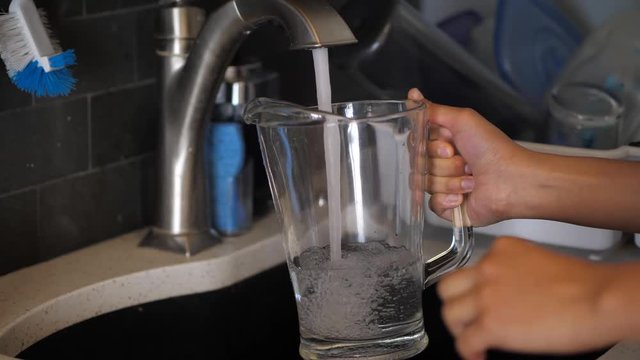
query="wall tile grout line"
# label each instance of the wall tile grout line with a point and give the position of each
(72, 97)
(38, 222)
(89, 16)
(133, 85)
(89, 135)
(134, 58)
(19, 191)
(132, 159)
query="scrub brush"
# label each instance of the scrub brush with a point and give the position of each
(35, 62)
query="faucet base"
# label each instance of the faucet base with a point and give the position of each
(187, 243)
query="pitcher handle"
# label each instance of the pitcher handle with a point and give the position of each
(457, 254)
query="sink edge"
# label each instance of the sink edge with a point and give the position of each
(26, 326)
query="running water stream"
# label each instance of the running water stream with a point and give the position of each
(331, 150)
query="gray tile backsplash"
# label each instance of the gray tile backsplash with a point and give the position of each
(79, 169)
(147, 62)
(43, 142)
(93, 7)
(86, 209)
(104, 48)
(11, 99)
(19, 230)
(124, 123)
(57, 9)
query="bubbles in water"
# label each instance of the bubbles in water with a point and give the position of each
(374, 291)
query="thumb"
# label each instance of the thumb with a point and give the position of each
(448, 117)
(415, 95)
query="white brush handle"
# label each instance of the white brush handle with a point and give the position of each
(35, 32)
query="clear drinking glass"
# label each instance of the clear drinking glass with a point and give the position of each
(584, 115)
(360, 294)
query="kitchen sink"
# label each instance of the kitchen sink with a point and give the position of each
(255, 318)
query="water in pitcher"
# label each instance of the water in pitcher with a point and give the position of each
(372, 292)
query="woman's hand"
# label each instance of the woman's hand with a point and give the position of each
(468, 155)
(521, 297)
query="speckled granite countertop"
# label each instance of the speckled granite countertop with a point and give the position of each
(114, 274)
(42, 299)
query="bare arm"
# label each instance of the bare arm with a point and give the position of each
(521, 297)
(587, 191)
(509, 181)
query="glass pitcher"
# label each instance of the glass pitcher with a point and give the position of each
(355, 257)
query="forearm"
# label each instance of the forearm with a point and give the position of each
(618, 308)
(586, 191)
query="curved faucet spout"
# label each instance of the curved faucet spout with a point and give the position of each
(189, 88)
(310, 24)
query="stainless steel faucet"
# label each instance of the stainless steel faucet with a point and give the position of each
(193, 68)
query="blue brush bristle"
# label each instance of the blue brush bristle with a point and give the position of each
(64, 59)
(35, 80)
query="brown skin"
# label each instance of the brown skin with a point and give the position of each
(521, 297)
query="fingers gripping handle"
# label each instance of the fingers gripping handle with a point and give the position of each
(457, 254)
